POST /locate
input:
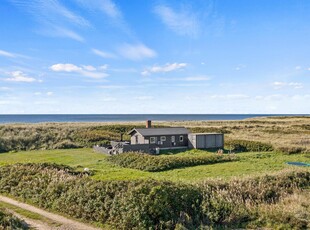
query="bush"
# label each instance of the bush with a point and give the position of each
(291, 149)
(209, 130)
(147, 204)
(8, 221)
(248, 146)
(151, 163)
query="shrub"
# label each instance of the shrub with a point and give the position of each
(291, 149)
(151, 163)
(209, 130)
(148, 204)
(8, 221)
(245, 146)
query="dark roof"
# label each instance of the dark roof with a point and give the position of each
(161, 131)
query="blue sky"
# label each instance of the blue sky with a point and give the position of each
(120, 56)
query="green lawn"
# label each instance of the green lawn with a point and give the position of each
(249, 164)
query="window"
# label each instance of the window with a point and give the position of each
(152, 140)
(181, 139)
(172, 139)
(163, 138)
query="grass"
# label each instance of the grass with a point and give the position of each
(249, 164)
(27, 214)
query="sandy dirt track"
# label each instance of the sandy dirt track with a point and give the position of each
(61, 223)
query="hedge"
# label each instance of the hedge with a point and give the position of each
(248, 146)
(151, 163)
(147, 204)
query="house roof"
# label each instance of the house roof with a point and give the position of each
(160, 131)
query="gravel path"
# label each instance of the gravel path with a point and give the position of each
(63, 222)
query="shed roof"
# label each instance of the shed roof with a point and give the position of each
(161, 131)
(197, 134)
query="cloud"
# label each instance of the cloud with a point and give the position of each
(65, 68)
(85, 70)
(279, 85)
(59, 31)
(112, 86)
(298, 67)
(54, 18)
(239, 67)
(19, 76)
(89, 67)
(7, 54)
(103, 53)
(49, 93)
(106, 99)
(162, 69)
(4, 88)
(108, 7)
(230, 96)
(11, 55)
(50, 11)
(197, 78)
(183, 22)
(136, 52)
(144, 98)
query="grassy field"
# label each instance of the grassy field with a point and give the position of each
(248, 164)
(287, 134)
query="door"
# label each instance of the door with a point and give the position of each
(219, 141)
(210, 141)
(200, 142)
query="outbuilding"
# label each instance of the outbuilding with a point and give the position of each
(205, 140)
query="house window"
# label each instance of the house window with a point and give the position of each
(172, 139)
(163, 138)
(181, 139)
(152, 140)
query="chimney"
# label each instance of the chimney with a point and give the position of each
(148, 124)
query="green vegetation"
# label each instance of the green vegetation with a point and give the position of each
(289, 135)
(247, 164)
(26, 213)
(162, 163)
(20, 137)
(151, 204)
(177, 189)
(247, 146)
(9, 221)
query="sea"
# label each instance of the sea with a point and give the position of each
(38, 118)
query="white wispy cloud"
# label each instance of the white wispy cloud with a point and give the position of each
(279, 85)
(136, 51)
(4, 88)
(107, 99)
(182, 22)
(54, 18)
(165, 68)
(19, 76)
(112, 86)
(239, 67)
(103, 54)
(230, 96)
(144, 98)
(51, 11)
(108, 7)
(7, 54)
(60, 31)
(197, 78)
(85, 70)
(298, 67)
